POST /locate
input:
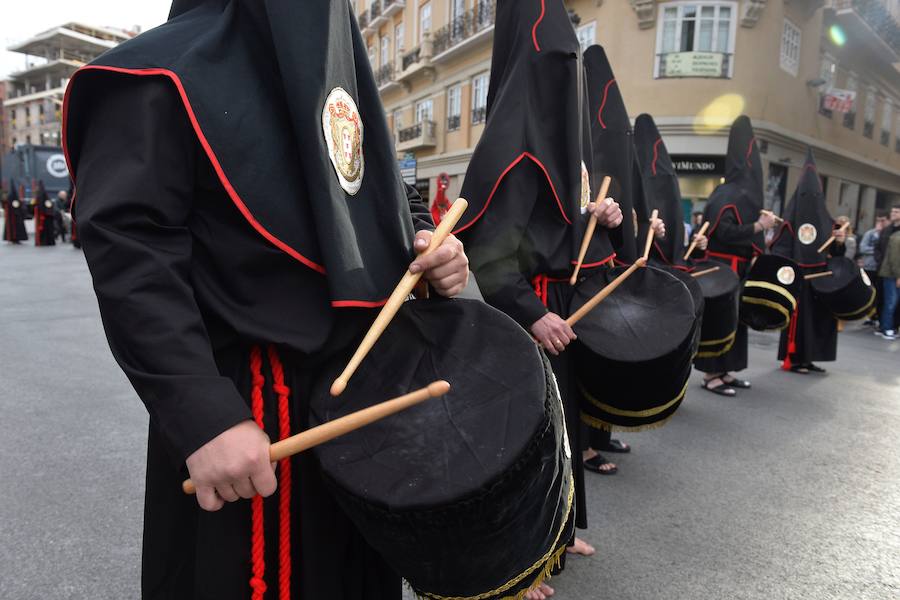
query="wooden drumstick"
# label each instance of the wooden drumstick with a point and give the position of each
(653, 216)
(830, 240)
(705, 272)
(589, 233)
(771, 214)
(398, 297)
(327, 432)
(693, 245)
(818, 275)
(602, 294)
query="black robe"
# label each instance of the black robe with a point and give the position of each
(187, 288)
(44, 219)
(812, 335)
(14, 217)
(732, 210)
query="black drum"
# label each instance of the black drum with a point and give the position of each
(465, 496)
(848, 292)
(634, 350)
(770, 293)
(696, 295)
(721, 291)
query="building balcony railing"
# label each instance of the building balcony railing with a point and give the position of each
(376, 15)
(479, 115)
(870, 19)
(421, 135)
(363, 20)
(386, 77)
(474, 25)
(417, 60)
(392, 7)
(454, 122)
(708, 65)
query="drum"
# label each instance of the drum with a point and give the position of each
(720, 315)
(696, 295)
(848, 293)
(470, 495)
(634, 350)
(770, 293)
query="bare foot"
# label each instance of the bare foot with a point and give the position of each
(542, 592)
(581, 547)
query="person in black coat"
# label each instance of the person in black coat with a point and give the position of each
(14, 216)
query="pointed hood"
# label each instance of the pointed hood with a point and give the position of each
(807, 224)
(283, 101)
(13, 190)
(537, 113)
(660, 185)
(613, 146)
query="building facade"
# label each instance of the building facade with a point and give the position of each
(34, 96)
(694, 65)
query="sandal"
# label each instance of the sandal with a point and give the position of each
(723, 389)
(802, 369)
(595, 464)
(616, 446)
(814, 369)
(736, 383)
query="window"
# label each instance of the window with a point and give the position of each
(790, 48)
(479, 98)
(398, 42)
(372, 56)
(385, 50)
(454, 107)
(587, 35)
(826, 73)
(696, 27)
(424, 110)
(869, 114)
(887, 116)
(850, 116)
(398, 120)
(424, 20)
(457, 19)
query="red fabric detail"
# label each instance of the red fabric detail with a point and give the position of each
(257, 533)
(750, 151)
(662, 254)
(536, 23)
(735, 260)
(357, 303)
(592, 265)
(603, 102)
(223, 178)
(655, 154)
(541, 283)
(284, 479)
(792, 341)
(441, 203)
(38, 225)
(505, 172)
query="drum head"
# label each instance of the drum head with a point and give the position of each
(648, 316)
(448, 447)
(844, 272)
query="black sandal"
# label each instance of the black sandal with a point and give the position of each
(616, 446)
(802, 369)
(723, 389)
(736, 383)
(594, 464)
(814, 369)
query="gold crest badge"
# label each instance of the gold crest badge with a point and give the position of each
(585, 188)
(807, 234)
(343, 129)
(786, 275)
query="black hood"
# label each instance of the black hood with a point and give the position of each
(807, 224)
(660, 186)
(613, 147)
(282, 98)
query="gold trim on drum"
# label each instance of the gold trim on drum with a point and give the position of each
(546, 563)
(859, 314)
(634, 414)
(773, 306)
(728, 338)
(773, 288)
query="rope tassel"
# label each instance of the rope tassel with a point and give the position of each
(284, 478)
(257, 534)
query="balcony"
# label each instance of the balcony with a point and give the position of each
(376, 15)
(419, 136)
(417, 61)
(454, 123)
(392, 7)
(872, 24)
(479, 115)
(363, 20)
(465, 32)
(385, 78)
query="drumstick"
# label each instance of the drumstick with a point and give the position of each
(398, 297)
(818, 275)
(832, 238)
(653, 217)
(706, 272)
(589, 233)
(771, 214)
(324, 433)
(693, 245)
(602, 294)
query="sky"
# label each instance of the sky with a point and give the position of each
(32, 17)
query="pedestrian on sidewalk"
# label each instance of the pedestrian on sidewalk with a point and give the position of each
(866, 260)
(890, 280)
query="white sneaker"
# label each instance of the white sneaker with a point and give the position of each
(889, 335)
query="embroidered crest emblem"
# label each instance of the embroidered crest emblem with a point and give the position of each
(786, 275)
(48, 204)
(16, 204)
(343, 129)
(585, 188)
(865, 278)
(807, 234)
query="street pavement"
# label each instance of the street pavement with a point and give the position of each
(790, 491)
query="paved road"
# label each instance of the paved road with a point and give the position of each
(790, 491)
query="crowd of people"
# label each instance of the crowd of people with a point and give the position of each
(878, 253)
(51, 216)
